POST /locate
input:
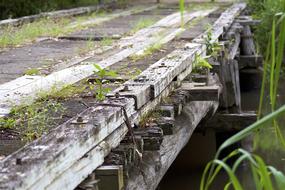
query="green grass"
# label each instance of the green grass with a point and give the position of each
(147, 52)
(200, 6)
(269, 129)
(142, 23)
(106, 42)
(260, 171)
(33, 121)
(15, 36)
(32, 71)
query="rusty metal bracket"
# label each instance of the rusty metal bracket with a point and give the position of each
(127, 122)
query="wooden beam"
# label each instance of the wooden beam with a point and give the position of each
(70, 152)
(250, 61)
(247, 20)
(231, 121)
(156, 163)
(129, 45)
(201, 93)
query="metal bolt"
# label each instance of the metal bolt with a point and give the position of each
(126, 88)
(79, 119)
(117, 95)
(18, 161)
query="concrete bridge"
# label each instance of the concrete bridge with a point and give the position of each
(131, 138)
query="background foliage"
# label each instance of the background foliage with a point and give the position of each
(18, 8)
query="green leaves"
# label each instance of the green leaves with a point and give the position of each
(261, 173)
(202, 62)
(102, 74)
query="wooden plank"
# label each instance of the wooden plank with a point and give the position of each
(141, 93)
(247, 20)
(201, 93)
(247, 43)
(160, 74)
(223, 23)
(156, 163)
(249, 61)
(231, 121)
(21, 81)
(54, 14)
(74, 74)
(48, 157)
(99, 20)
(52, 161)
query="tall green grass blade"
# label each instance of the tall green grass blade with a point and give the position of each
(272, 69)
(234, 180)
(264, 80)
(213, 172)
(182, 9)
(252, 128)
(265, 175)
(278, 176)
(279, 59)
(247, 156)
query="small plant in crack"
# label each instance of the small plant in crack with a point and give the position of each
(201, 65)
(212, 47)
(32, 71)
(100, 90)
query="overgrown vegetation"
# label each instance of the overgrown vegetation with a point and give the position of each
(32, 121)
(149, 118)
(106, 42)
(268, 131)
(212, 47)
(142, 23)
(13, 9)
(147, 52)
(12, 36)
(265, 10)
(32, 71)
